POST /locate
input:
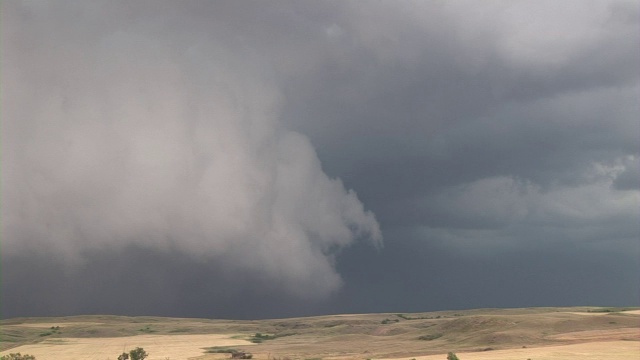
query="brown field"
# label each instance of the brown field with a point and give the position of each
(169, 346)
(500, 334)
(49, 325)
(587, 351)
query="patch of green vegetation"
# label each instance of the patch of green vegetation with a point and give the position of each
(54, 330)
(220, 350)
(333, 324)
(430, 337)
(389, 321)
(258, 338)
(7, 337)
(235, 354)
(403, 316)
(147, 329)
(609, 310)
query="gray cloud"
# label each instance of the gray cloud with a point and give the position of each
(629, 177)
(145, 280)
(120, 136)
(493, 99)
(490, 136)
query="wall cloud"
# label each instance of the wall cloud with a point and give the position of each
(119, 136)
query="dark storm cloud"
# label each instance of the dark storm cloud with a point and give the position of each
(145, 138)
(435, 274)
(479, 104)
(159, 129)
(138, 281)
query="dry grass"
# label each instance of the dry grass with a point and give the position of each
(536, 333)
(159, 347)
(610, 350)
(52, 324)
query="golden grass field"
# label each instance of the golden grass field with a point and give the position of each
(583, 333)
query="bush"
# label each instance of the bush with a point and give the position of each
(452, 356)
(18, 356)
(138, 354)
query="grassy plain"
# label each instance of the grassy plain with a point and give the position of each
(500, 334)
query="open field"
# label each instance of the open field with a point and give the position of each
(501, 334)
(53, 324)
(170, 346)
(587, 351)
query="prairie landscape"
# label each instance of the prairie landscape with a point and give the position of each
(528, 333)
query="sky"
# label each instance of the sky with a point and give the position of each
(263, 159)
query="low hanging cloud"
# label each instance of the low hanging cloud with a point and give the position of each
(119, 137)
(170, 148)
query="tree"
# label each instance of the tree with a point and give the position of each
(123, 356)
(138, 354)
(452, 356)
